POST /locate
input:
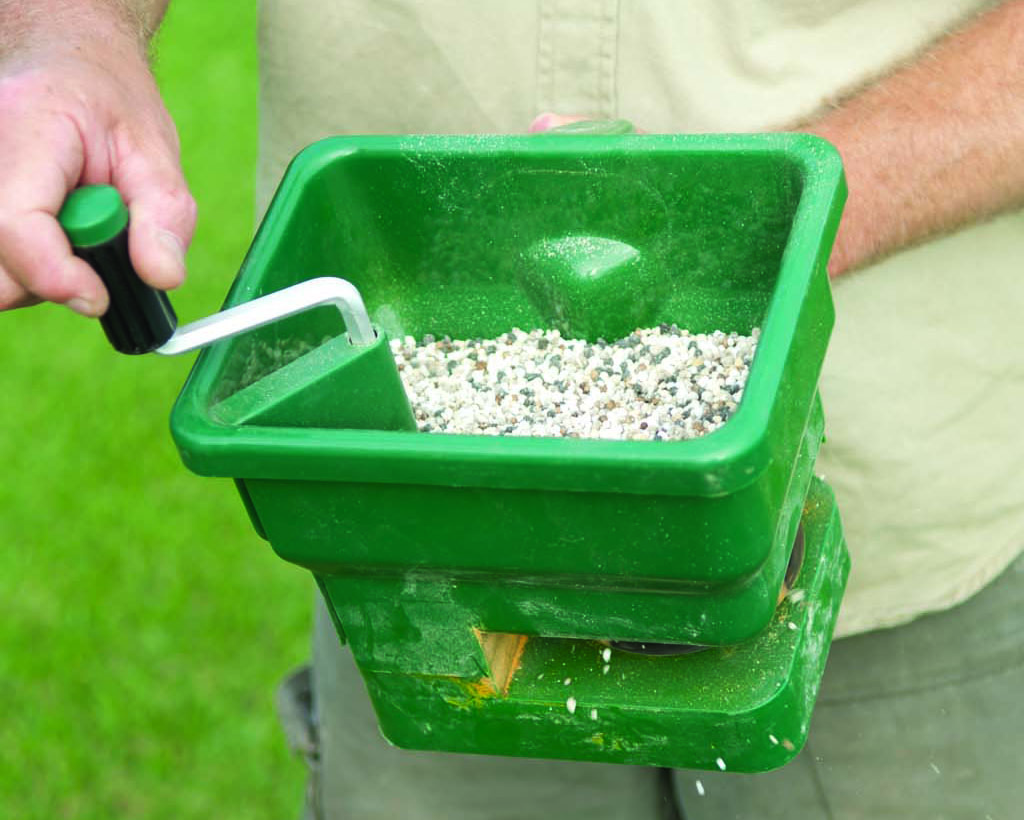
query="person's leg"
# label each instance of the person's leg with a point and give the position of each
(359, 776)
(920, 721)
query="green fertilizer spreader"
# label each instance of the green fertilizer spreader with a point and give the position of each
(545, 597)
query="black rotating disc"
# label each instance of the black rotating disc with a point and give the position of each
(796, 558)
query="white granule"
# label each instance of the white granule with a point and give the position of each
(570, 704)
(567, 681)
(720, 763)
(700, 788)
(774, 740)
(606, 654)
(593, 714)
(605, 668)
(659, 384)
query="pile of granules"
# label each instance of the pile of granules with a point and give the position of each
(661, 383)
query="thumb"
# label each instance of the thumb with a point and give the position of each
(163, 217)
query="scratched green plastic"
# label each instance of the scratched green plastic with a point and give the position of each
(749, 706)
(418, 541)
(441, 235)
(421, 541)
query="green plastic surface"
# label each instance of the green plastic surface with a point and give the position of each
(675, 542)
(747, 705)
(334, 383)
(92, 215)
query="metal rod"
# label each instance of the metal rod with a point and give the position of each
(324, 290)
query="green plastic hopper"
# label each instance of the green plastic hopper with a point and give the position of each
(473, 576)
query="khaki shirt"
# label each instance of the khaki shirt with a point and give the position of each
(924, 381)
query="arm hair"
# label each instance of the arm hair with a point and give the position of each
(935, 145)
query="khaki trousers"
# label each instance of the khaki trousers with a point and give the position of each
(919, 722)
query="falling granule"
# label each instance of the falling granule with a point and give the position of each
(774, 740)
(540, 676)
(606, 654)
(720, 763)
(935, 768)
(567, 681)
(593, 714)
(604, 671)
(570, 704)
(700, 788)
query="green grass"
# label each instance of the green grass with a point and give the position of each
(144, 625)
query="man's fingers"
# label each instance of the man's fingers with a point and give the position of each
(163, 218)
(41, 158)
(35, 253)
(548, 120)
(69, 125)
(13, 295)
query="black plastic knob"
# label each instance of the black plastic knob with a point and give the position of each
(140, 318)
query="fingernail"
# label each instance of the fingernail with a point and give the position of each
(175, 254)
(82, 306)
(542, 123)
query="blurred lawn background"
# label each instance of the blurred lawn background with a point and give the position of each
(144, 624)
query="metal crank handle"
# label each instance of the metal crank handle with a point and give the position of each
(140, 318)
(325, 290)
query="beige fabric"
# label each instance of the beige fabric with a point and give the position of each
(923, 381)
(923, 387)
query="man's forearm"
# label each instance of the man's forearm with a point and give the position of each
(25, 24)
(935, 145)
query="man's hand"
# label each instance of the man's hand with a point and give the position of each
(79, 106)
